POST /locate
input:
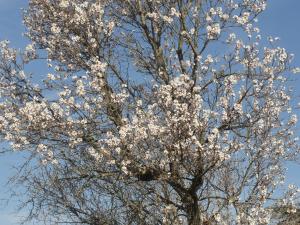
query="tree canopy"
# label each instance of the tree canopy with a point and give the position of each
(155, 112)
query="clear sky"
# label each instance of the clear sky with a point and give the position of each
(281, 19)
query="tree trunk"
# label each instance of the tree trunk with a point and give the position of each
(193, 212)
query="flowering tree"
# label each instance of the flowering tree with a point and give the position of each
(156, 112)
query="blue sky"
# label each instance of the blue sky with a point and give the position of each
(281, 19)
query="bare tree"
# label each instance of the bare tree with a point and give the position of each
(156, 112)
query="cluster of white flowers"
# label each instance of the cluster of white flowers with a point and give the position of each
(75, 14)
(29, 53)
(242, 19)
(213, 31)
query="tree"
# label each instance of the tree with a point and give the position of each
(155, 112)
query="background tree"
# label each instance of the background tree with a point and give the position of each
(156, 112)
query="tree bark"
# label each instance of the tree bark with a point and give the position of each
(193, 211)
